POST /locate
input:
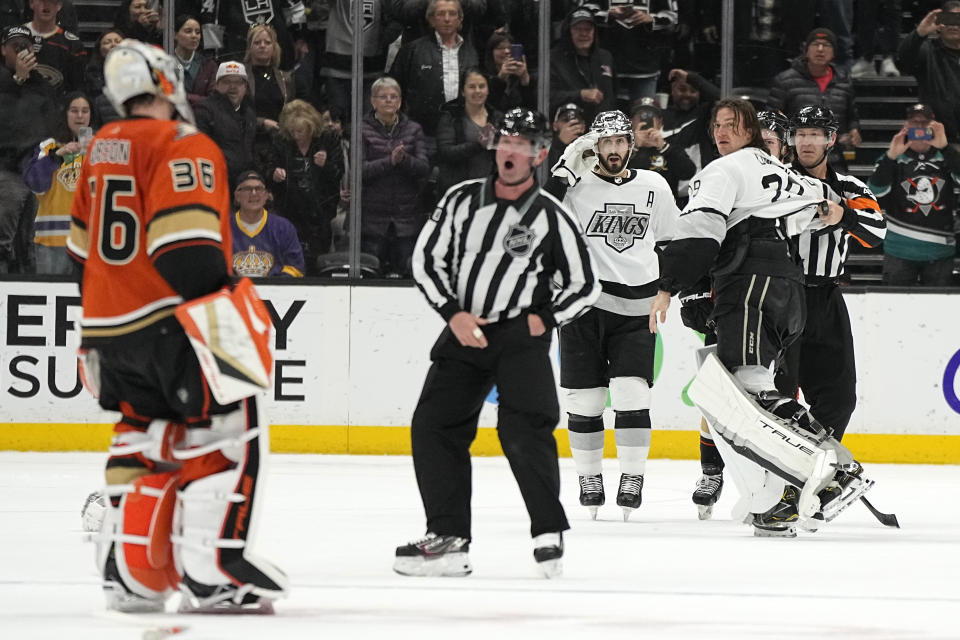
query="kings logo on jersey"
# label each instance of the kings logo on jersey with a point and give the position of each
(620, 225)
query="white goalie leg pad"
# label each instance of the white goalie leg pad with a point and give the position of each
(216, 524)
(586, 446)
(774, 444)
(759, 489)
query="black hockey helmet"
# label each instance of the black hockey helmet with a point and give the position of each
(815, 117)
(776, 122)
(529, 124)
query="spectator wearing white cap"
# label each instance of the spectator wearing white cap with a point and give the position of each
(228, 117)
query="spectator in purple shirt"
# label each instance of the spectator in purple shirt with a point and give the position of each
(264, 244)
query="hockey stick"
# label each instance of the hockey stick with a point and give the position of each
(886, 519)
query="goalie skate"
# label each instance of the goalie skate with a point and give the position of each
(840, 494)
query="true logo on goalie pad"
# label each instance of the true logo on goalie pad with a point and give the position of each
(619, 225)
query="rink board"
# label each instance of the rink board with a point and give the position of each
(350, 362)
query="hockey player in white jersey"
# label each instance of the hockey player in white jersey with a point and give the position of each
(624, 213)
(744, 210)
(696, 311)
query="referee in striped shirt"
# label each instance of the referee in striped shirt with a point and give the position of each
(504, 264)
(821, 362)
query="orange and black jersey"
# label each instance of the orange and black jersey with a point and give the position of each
(149, 225)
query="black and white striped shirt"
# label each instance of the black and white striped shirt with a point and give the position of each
(824, 249)
(497, 258)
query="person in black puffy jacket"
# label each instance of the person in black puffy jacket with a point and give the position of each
(813, 79)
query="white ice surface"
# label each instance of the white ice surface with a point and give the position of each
(332, 523)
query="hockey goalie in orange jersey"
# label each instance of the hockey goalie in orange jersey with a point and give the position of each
(150, 233)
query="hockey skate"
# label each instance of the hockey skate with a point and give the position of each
(629, 496)
(708, 491)
(435, 556)
(591, 493)
(120, 598)
(223, 598)
(847, 487)
(780, 520)
(548, 552)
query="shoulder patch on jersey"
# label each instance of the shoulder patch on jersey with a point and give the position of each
(185, 130)
(620, 225)
(69, 35)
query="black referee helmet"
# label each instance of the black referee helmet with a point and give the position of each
(529, 124)
(815, 117)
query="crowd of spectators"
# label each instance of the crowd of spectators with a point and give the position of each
(271, 83)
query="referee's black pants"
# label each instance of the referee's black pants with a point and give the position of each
(445, 424)
(821, 362)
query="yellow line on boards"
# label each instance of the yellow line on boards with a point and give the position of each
(366, 440)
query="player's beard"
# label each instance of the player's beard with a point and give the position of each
(605, 164)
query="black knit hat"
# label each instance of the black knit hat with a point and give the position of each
(821, 34)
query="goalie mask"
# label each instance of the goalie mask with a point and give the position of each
(133, 68)
(610, 124)
(813, 117)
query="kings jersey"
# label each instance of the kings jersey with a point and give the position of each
(147, 187)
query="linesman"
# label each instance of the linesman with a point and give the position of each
(503, 263)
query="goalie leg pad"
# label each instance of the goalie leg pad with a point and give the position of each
(775, 444)
(215, 531)
(759, 489)
(134, 553)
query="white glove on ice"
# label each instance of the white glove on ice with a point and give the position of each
(572, 164)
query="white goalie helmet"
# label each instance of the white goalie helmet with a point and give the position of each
(133, 68)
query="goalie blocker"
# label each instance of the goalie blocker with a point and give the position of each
(766, 444)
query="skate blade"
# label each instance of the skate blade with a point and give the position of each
(704, 511)
(850, 494)
(449, 565)
(118, 599)
(627, 511)
(593, 512)
(262, 607)
(789, 532)
(551, 568)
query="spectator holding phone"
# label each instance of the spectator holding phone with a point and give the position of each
(140, 20)
(641, 37)
(934, 62)
(915, 180)
(506, 66)
(568, 125)
(653, 153)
